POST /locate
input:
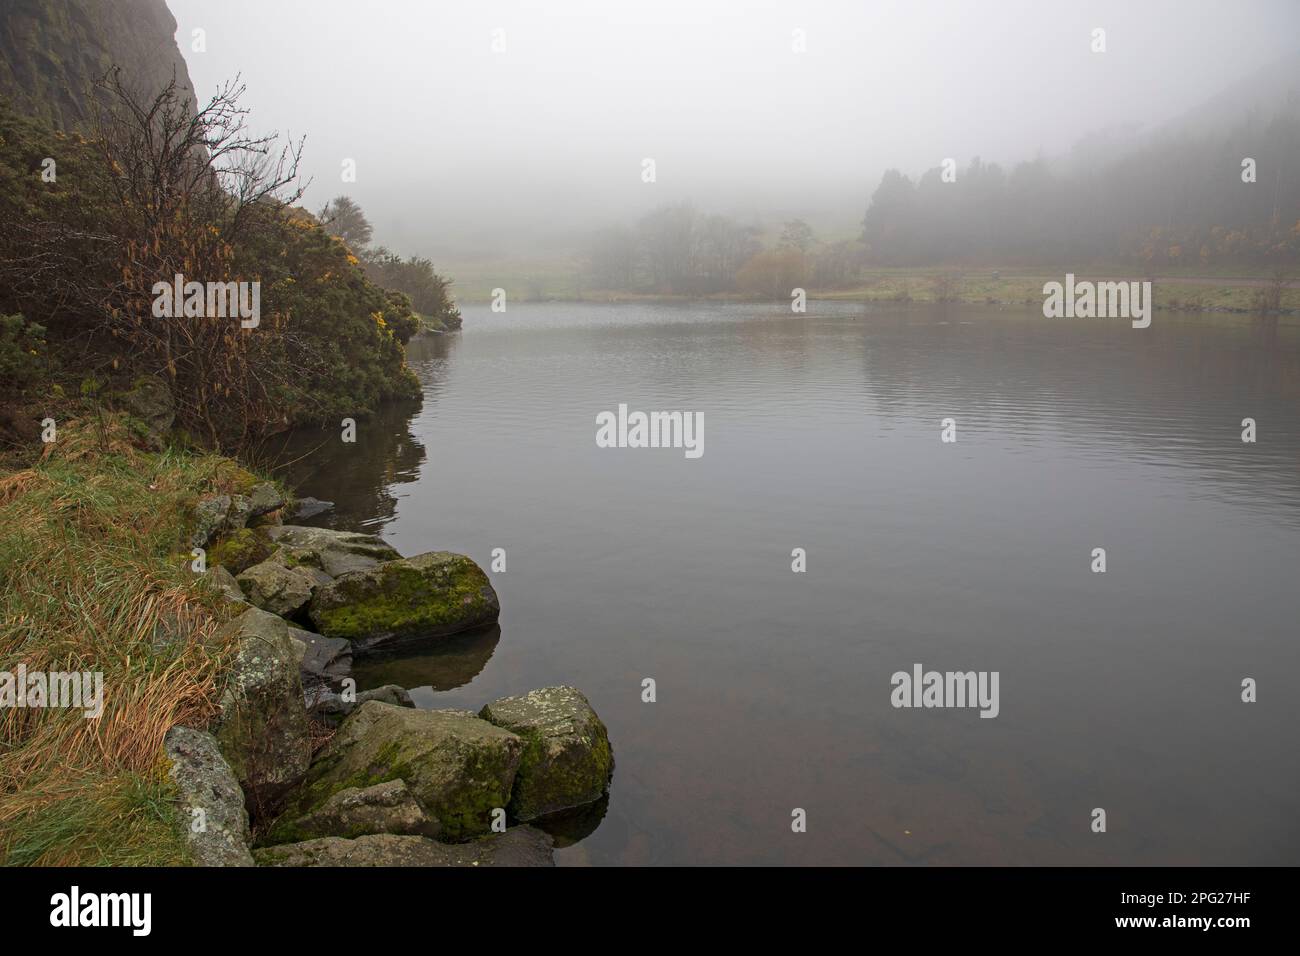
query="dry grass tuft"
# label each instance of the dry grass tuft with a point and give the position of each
(94, 576)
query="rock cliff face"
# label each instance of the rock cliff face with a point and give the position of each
(53, 51)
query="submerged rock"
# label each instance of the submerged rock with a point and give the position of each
(206, 783)
(428, 596)
(334, 552)
(518, 846)
(387, 807)
(458, 767)
(567, 759)
(261, 724)
(310, 507)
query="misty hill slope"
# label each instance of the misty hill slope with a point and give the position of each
(53, 51)
(1268, 91)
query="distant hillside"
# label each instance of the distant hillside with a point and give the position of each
(1268, 91)
(51, 54)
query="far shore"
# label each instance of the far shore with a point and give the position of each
(996, 288)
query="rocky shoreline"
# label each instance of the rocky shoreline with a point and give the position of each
(298, 768)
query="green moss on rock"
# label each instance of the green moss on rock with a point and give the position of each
(458, 767)
(240, 550)
(567, 759)
(427, 596)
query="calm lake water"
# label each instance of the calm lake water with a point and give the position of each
(1119, 690)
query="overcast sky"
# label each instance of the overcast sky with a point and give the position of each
(458, 146)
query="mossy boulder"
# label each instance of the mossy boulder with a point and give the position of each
(567, 759)
(261, 724)
(219, 513)
(428, 596)
(518, 846)
(275, 588)
(334, 552)
(240, 550)
(458, 767)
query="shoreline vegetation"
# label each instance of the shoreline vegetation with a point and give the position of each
(232, 732)
(1009, 288)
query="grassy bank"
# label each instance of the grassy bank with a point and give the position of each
(95, 576)
(1172, 292)
(560, 279)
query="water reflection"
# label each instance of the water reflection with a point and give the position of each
(364, 478)
(1173, 395)
(448, 663)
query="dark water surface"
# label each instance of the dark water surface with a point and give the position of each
(1117, 690)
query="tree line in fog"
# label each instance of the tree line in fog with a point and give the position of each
(1184, 200)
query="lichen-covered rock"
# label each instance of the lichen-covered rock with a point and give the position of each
(334, 552)
(275, 588)
(263, 499)
(385, 807)
(240, 511)
(428, 596)
(518, 846)
(240, 550)
(209, 519)
(567, 759)
(261, 725)
(459, 768)
(210, 795)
